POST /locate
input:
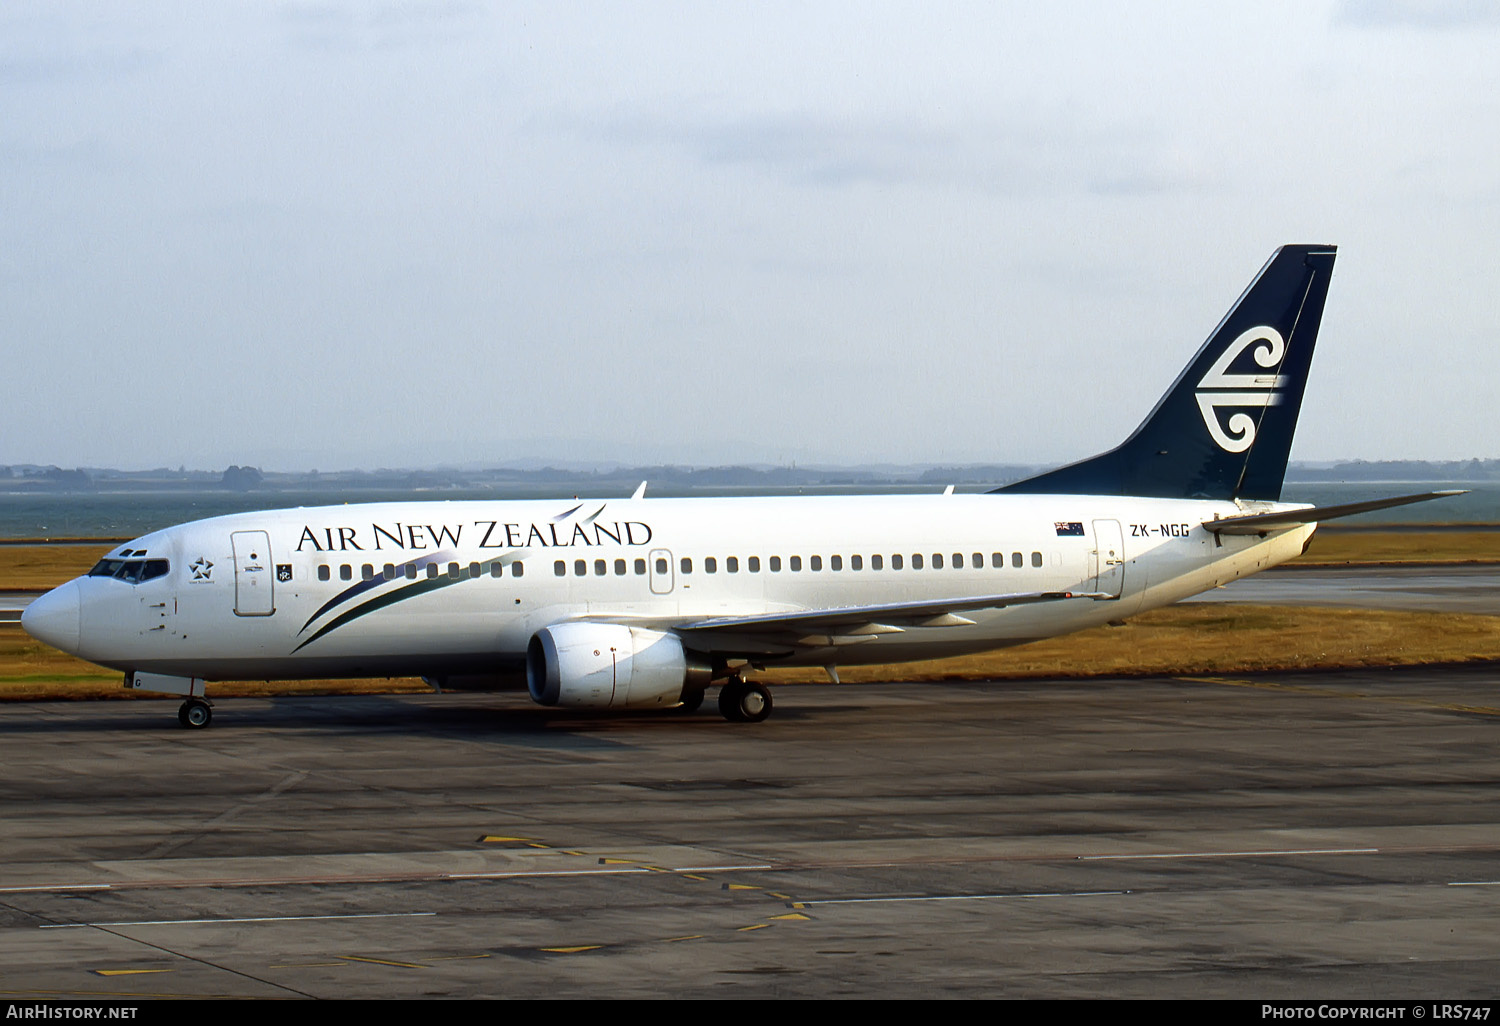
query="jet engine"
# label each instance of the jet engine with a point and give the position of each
(610, 666)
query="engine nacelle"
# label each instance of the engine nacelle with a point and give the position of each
(609, 666)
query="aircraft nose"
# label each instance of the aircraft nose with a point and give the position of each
(54, 618)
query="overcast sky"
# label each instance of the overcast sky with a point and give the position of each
(336, 235)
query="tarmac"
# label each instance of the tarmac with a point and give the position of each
(1288, 836)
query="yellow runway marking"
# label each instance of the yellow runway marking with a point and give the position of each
(130, 972)
(740, 887)
(382, 961)
(757, 926)
(691, 936)
(574, 950)
(792, 915)
(492, 839)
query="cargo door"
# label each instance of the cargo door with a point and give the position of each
(1108, 558)
(253, 579)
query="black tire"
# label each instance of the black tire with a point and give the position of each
(195, 714)
(744, 702)
(691, 702)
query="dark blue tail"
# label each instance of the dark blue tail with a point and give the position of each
(1224, 429)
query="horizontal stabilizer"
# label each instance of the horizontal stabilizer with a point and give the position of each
(1260, 523)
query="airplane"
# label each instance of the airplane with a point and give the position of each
(646, 603)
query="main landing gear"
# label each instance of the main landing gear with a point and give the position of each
(195, 714)
(744, 701)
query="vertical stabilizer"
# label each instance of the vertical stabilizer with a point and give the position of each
(1224, 429)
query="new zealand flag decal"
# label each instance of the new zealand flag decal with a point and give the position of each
(1072, 529)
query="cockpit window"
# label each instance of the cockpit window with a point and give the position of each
(132, 570)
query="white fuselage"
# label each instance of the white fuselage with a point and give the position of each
(432, 589)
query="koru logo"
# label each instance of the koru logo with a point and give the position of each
(1219, 388)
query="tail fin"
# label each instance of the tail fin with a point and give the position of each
(1224, 429)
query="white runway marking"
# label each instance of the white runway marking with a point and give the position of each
(961, 897)
(1233, 854)
(253, 919)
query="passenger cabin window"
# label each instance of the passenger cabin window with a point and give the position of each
(796, 562)
(815, 563)
(687, 565)
(937, 560)
(710, 565)
(978, 561)
(388, 571)
(1036, 559)
(836, 563)
(732, 564)
(754, 564)
(498, 569)
(324, 574)
(856, 563)
(367, 572)
(1015, 560)
(346, 572)
(896, 563)
(601, 567)
(560, 568)
(580, 567)
(776, 564)
(454, 571)
(432, 571)
(877, 562)
(517, 570)
(916, 561)
(411, 571)
(619, 568)
(640, 567)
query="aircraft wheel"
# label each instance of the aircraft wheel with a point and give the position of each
(691, 702)
(742, 701)
(195, 714)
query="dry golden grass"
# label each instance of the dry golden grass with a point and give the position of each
(1212, 639)
(1335, 547)
(1189, 639)
(46, 566)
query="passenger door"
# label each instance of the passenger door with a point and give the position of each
(1108, 558)
(254, 583)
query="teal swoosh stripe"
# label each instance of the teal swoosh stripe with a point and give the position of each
(410, 591)
(389, 598)
(354, 591)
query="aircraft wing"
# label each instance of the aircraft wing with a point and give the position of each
(1260, 523)
(843, 625)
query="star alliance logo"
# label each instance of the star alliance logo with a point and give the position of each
(1242, 391)
(202, 570)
